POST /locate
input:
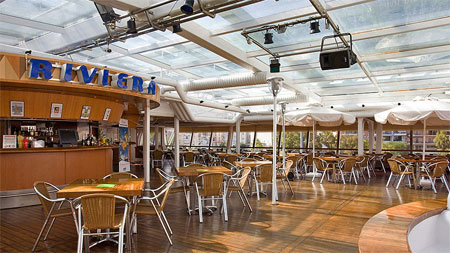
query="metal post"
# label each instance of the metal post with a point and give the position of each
(410, 141)
(307, 141)
(274, 149)
(238, 136)
(424, 137)
(314, 139)
(146, 148)
(283, 132)
(176, 126)
(371, 137)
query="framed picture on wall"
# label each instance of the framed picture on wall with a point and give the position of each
(107, 113)
(56, 111)
(17, 109)
(85, 112)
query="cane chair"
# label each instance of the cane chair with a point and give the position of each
(321, 165)
(164, 177)
(347, 166)
(308, 163)
(236, 184)
(230, 166)
(230, 158)
(296, 164)
(52, 208)
(120, 175)
(399, 169)
(436, 170)
(264, 177)
(158, 157)
(282, 174)
(189, 158)
(211, 186)
(98, 212)
(360, 165)
(156, 207)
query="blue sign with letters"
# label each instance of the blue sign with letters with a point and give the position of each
(42, 69)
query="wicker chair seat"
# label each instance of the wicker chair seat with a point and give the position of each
(117, 223)
(61, 212)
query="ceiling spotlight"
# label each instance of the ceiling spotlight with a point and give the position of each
(248, 111)
(226, 106)
(176, 28)
(314, 26)
(274, 65)
(131, 24)
(281, 29)
(249, 41)
(268, 38)
(188, 7)
(201, 101)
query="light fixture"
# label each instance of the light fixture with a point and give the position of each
(281, 29)
(201, 101)
(249, 41)
(274, 65)
(176, 28)
(188, 7)
(131, 24)
(106, 13)
(275, 84)
(268, 38)
(226, 106)
(314, 26)
(248, 111)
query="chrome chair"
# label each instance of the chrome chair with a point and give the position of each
(158, 157)
(120, 175)
(211, 186)
(320, 165)
(155, 207)
(164, 177)
(188, 158)
(98, 212)
(282, 174)
(347, 166)
(236, 184)
(50, 208)
(400, 169)
(263, 177)
(436, 170)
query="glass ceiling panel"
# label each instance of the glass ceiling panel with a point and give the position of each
(296, 34)
(147, 39)
(185, 53)
(19, 32)
(386, 13)
(405, 41)
(250, 12)
(360, 89)
(335, 84)
(413, 76)
(317, 72)
(128, 63)
(54, 12)
(413, 86)
(295, 60)
(217, 69)
(409, 62)
(93, 53)
(168, 74)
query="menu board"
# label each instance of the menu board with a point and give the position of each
(9, 141)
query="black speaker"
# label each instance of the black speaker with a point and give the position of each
(337, 58)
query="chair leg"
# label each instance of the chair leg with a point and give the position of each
(246, 200)
(323, 176)
(49, 228)
(164, 227)
(40, 233)
(240, 196)
(224, 205)
(314, 175)
(389, 180)
(200, 210)
(432, 184)
(80, 241)
(290, 186)
(354, 177)
(284, 186)
(120, 244)
(167, 223)
(342, 175)
(399, 181)
(257, 189)
(444, 180)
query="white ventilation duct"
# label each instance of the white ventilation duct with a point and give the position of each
(185, 114)
(267, 100)
(225, 81)
(364, 106)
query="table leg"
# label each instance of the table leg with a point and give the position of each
(417, 177)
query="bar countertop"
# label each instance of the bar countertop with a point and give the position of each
(57, 149)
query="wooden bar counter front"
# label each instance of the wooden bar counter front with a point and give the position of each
(20, 168)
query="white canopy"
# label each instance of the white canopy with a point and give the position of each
(436, 113)
(320, 115)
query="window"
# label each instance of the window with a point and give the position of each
(185, 139)
(219, 139)
(201, 139)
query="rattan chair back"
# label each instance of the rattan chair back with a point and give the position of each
(318, 163)
(438, 169)
(265, 173)
(157, 155)
(212, 184)
(394, 165)
(244, 176)
(42, 189)
(348, 164)
(189, 157)
(98, 211)
(309, 159)
(231, 158)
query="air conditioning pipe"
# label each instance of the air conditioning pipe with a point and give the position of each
(267, 100)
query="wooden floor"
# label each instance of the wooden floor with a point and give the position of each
(318, 218)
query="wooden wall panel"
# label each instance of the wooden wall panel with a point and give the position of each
(85, 164)
(38, 104)
(21, 170)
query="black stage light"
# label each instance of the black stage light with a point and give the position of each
(314, 26)
(106, 13)
(176, 28)
(248, 111)
(131, 24)
(226, 106)
(268, 38)
(201, 101)
(188, 7)
(274, 65)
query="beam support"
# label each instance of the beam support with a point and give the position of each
(379, 144)
(238, 136)
(229, 139)
(360, 136)
(176, 126)
(371, 136)
(146, 148)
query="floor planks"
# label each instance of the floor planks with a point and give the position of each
(318, 218)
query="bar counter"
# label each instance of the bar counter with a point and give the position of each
(20, 168)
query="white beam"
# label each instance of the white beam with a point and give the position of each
(360, 136)
(379, 141)
(31, 23)
(146, 148)
(176, 126)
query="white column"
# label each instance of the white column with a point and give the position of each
(157, 137)
(229, 139)
(238, 136)
(274, 149)
(146, 148)
(360, 136)
(379, 142)
(371, 136)
(163, 138)
(176, 126)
